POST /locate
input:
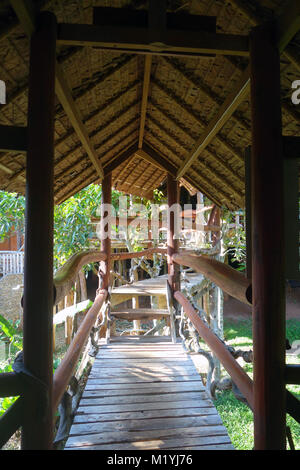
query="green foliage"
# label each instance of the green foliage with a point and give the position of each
(72, 220)
(12, 210)
(234, 239)
(9, 333)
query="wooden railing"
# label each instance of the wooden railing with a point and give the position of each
(239, 376)
(15, 384)
(11, 262)
(227, 278)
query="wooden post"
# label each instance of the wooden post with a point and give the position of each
(267, 242)
(248, 212)
(172, 243)
(105, 229)
(104, 267)
(37, 431)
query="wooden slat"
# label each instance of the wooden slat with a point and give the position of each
(143, 398)
(146, 414)
(161, 340)
(180, 387)
(136, 380)
(120, 408)
(164, 434)
(141, 314)
(175, 443)
(136, 387)
(145, 424)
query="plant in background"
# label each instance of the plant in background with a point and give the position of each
(10, 335)
(234, 237)
(12, 214)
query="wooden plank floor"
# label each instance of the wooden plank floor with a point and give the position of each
(145, 393)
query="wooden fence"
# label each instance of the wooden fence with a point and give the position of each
(11, 262)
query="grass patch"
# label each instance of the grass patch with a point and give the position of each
(236, 416)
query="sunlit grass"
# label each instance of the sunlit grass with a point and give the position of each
(236, 416)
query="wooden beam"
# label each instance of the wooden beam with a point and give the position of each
(121, 158)
(176, 99)
(25, 11)
(288, 24)
(225, 112)
(91, 178)
(215, 174)
(291, 147)
(157, 159)
(255, 19)
(146, 85)
(156, 18)
(13, 138)
(64, 95)
(133, 40)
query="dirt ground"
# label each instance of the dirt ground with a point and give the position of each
(236, 310)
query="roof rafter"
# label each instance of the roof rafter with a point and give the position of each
(21, 172)
(218, 175)
(221, 162)
(224, 114)
(83, 158)
(203, 177)
(198, 119)
(121, 158)
(287, 27)
(25, 11)
(174, 64)
(289, 18)
(146, 86)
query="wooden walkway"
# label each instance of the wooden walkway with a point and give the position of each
(145, 393)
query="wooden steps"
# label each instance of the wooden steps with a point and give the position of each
(145, 393)
(140, 314)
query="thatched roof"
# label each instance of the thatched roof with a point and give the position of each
(183, 97)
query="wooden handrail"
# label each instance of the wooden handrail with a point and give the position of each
(227, 278)
(65, 277)
(11, 385)
(138, 254)
(239, 376)
(11, 420)
(67, 366)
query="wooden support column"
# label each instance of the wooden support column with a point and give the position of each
(173, 244)
(248, 213)
(105, 231)
(267, 242)
(37, 431)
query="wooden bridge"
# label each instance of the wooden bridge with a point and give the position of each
(146, 393)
